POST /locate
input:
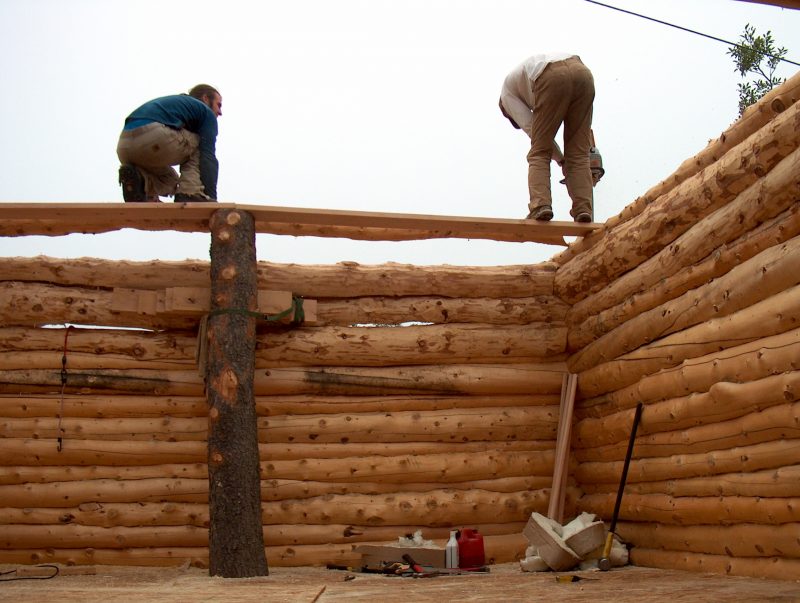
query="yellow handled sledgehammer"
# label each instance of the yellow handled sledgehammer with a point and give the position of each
(604, 563)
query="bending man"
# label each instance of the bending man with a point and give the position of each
(539, 95)
(172, 130)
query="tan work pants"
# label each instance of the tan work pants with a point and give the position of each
(563, 93)
(154, 148)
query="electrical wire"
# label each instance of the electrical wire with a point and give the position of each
(53, 575)
(686, 29)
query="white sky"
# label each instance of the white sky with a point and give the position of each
(374, 105)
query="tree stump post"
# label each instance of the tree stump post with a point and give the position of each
(236, 539)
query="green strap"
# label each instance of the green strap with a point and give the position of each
(296, 310)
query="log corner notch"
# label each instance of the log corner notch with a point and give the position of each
(236, 540)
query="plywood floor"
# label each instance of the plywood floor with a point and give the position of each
(504, 583)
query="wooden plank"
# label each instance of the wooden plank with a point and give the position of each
(555, 508)
(53, 219)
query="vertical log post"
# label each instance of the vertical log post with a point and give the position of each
(236, 539)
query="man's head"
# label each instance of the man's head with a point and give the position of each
(507, 116)
(208, 95)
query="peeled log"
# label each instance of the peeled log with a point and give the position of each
(122, 406)
(724, 401)
(751, 361)
(480, 379)
(769, 455)
(777, 314)
(478, 424)
(689, 510)
(775, 568)
(638, 239)
(346, 279)
(761, 277)
(773, 483)
(740, 540)
(774, 423)
(589, 318)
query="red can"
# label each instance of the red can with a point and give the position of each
(470, 549)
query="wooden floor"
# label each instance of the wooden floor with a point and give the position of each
(505, 583)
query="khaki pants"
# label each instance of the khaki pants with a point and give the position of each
(154, 149)
(563, 93)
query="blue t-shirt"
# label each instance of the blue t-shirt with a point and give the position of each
(181, 111)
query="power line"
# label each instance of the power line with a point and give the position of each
(692, 31)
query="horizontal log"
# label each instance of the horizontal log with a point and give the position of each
(690, 510)
(773, 423)
(769, 455)
(748, 362)
(723, 401)
(699, 252)
(124, 406)
(638, 239)
(26, 304)
(345, 279)
(773, 483)
(305, 346)
(478, 379)
(498, 549)
(119, 537)
(772, 316)
(759, 278)
(75, 452)
(462, 425)
(740, 540)
(776, 568)
(753, 119)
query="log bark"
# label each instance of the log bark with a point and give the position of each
(772, 316)
(236, 542)
(724, 401)
(741, 540)
(748, 362)
(636, 240)
(754, 118)
(481, 379)
(345, 279)
(761, 277)
(762, 202)
(776, 568)
(690, 510)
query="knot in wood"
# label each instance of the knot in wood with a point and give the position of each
(213, 414)
(224, 235)
(233, 218)
(229, 272)
(216, 457)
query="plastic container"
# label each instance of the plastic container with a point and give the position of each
(470, 549)
(451, 551)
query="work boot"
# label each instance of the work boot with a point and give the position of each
(132, 183)
(582, 213)
(184, 198)
(543, 213)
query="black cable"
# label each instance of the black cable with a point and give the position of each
(692, 31)
(53, 575)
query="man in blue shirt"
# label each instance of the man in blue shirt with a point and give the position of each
(172, 130)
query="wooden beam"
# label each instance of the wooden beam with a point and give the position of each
(54, 219)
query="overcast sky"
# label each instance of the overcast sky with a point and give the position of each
(374, 105)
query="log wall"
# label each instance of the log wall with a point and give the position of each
(690, 303)
(419, 398)
(428, 397)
